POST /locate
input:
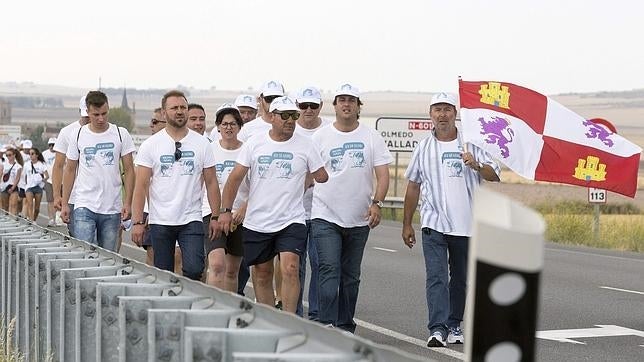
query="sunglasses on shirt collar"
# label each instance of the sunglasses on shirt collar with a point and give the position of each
(177, 151)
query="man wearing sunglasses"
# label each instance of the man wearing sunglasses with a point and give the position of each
(270, 91)
(277, 163)
(172, 166)
(347, 207)
(157, 123)
(309, 102)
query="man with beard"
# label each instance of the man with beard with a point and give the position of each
(172, 165)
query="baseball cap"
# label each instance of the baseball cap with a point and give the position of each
(224, 107)
(26, 144)
(309, 95)
(443, 97)
(82, 106)
(347, 89)
(246, 100)
(272, 88)
(283, 104)
(51, 140)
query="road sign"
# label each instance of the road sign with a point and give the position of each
(403, 134)
(597, 196)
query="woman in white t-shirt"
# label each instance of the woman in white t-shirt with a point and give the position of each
(36, 174)
(12, 170)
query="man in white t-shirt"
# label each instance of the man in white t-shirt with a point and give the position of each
(172, 165)
(247, 105)
(277, 163)
(92, 170)
(446, 174)
(270, 91)
(309, 102)
(50, 156)
(346, 208)
(60, 147)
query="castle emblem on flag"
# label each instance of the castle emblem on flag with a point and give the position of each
(497, 131)
(596, 131)
(590, 169)
(493, 93)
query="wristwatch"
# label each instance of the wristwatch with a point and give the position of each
(224, 210)
(378, 202)
(214, 217)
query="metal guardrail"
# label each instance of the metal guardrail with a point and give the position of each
(73, 301)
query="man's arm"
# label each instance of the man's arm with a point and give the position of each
(411, 203)
(128, 170)
(382, 185)
(228, 196)
(57, 179)
(320, 176)
(140, 193)
(69, 176)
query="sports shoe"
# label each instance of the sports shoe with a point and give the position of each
(51, 222)
(436, 340)
(278, 305)
(455, 335)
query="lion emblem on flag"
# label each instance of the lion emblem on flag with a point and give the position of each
(596, 131)
(497, 131)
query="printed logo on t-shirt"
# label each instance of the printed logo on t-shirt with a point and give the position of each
(351, 152)
(103, 153)
(453, 163)
(166, 165)
(281, 162)
(225, 167)
(50, 160)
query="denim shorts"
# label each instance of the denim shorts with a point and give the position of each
(34, 190)
(262, 247)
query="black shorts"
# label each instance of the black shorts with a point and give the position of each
(147, 240)
(262, 247)
(233, 242)
(21, 193)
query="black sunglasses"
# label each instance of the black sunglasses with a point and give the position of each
(177, 151)
(304, 106)
(155, 121)
(286, 115)
(270, 99)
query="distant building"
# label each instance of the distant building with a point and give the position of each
(5, 111)
(126, 107)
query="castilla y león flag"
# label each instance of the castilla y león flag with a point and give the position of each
(542, 140)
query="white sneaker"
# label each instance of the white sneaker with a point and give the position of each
(455, 336)
(436, 340)
(51, 223)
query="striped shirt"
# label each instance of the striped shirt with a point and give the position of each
(425, 169)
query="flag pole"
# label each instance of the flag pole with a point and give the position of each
(466, 145)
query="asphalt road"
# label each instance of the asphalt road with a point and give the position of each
(581, 289)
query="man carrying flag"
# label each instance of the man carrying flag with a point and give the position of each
(542, 140)
(445, 174)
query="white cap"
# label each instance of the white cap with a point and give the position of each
(26, 144)
(51, 140)
(272, 88)
(3, 148)
(246, 100)
(309, 95)
(225, 106)
(443, 97)
(347, 89)
(82, 106)
(283, 104)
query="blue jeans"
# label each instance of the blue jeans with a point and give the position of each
(95, 228)
(190, 238)
(313, 283)
(340, 253)
(445, 287)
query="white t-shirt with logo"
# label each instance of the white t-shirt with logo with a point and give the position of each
(13, 174)
(66, 134)
(98, 182)
(308, 193)
(215, 135)
(226, 160)
(349, 159)
(277, 171)
(34, 174)
(252, 128)
(49, 157)
(458, 207)
(176, 186)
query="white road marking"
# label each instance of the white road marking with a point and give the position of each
(593, 254)
(383, 249)
(622, 290)
(566, 335)
(408, 339)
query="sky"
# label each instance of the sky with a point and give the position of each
(551, 46)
